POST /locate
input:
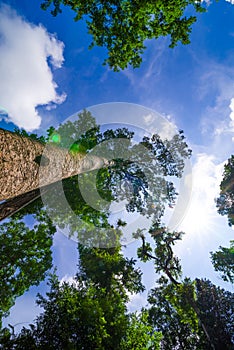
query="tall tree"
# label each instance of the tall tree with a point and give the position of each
(21, 158)
(223, 259)
(217, 312)
(169, 265)
(163, 159)
(159, 159)
(225, 202)
(143, 176)
(171, 314)
(123, 26)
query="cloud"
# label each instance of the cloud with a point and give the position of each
(149, 119)
(28, 55)
(231, 106)
(145, 83)
(205, 230)
(137, 301)
(159, 124)
(201, 211)
(69, 279)
(216, 89)
(208, 2)
(227, 126)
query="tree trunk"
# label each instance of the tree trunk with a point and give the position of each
(21, 173)
(13, 205)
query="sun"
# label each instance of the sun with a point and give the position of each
(200, 216)
(196, 219)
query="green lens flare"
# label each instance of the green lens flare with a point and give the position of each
(55, 138)
(77, 148)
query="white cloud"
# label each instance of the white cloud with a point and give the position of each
(231, 106)
(27, 54)
(226, 126)
(216, 88)
(208, 2)
(149, 119)
(137, 301)
(160, 124)
(202, 210)
(69, 279)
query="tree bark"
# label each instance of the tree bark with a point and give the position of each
(19, 169)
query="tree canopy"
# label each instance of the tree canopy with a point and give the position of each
(182, 327)
(225, 202)
(160, 159)
(25, 256)
(182, 309)
(123, 26)
(223, 261)
(90, 312)
(141, 177)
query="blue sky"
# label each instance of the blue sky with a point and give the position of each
(47, 74)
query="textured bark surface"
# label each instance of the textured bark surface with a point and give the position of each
(20, 173)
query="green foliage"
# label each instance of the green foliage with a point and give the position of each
(140, 334)
(225, 202)
(171, 313)
(32, 136)
(73, 319)
(109, 269)
(182, 298)
(73, 135)
(216, 312)
(184, 312)
(90, 312)
(93, 311)
(123, 26)
(142, 179)
(114, 277)
(150, 159)
(223, 261)
(162, 254)
(25, 257)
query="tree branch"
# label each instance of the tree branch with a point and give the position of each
(165, 268)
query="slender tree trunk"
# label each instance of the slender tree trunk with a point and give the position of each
(13, 205)
(19, 169)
